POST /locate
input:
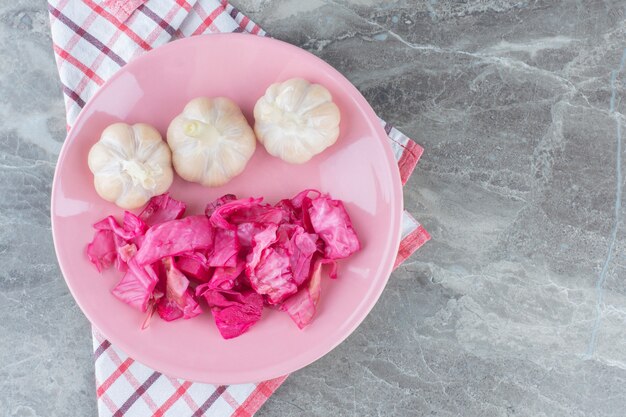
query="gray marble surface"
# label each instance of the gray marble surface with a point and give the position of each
(517, 307)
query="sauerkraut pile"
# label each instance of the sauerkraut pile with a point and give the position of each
(236, 258)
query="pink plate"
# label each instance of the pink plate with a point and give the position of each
(360, 169)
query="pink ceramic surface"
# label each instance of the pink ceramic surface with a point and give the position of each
(359, 169)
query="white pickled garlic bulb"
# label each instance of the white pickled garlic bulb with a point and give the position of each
(130, 164)
(295, 120)
(211, 141)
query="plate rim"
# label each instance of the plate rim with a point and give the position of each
(397, 204)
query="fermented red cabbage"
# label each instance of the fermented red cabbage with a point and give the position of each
(268, 267)
(111, 235)
(332, 223)
(175, 237)
(162, 208)
(303, 305)
(272, 276)
(225, 248)
(137, 286)
(239, 255)
(213, 205)
(132, 226)
(194, 265)
(220, 216)
(234, 312)
(102, 251)
(225, 278)
(177, 301)
(301, 246)
(126, 252)
(245, 232)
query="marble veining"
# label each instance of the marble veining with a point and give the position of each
(517, 307)
(618, 208)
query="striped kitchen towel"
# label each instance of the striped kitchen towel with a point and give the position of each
(92, 39)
